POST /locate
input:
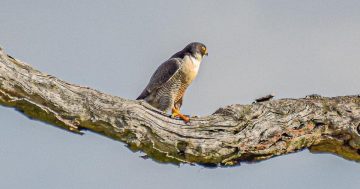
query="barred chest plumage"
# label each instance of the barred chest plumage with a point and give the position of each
(169, 82)
(188, 72)
(175, 88)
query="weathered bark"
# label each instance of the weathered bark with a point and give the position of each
(232, 134)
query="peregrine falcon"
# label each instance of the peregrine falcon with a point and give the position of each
(168, 84)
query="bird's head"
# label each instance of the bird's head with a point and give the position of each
(196, 49)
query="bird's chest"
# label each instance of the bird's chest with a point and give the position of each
(189, 69)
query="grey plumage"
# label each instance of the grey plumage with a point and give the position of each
(167, 85)
(163, 85)
(162, 74)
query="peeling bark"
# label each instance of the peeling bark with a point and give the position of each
(230, 135)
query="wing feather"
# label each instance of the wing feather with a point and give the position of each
(163, 74)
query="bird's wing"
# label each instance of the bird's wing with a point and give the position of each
(163, 74)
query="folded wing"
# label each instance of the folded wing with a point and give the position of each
(163, 74)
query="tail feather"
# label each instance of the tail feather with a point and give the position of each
(143, 95)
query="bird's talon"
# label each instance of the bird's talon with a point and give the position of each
(186, 120)
(175, 115)
(183, 64)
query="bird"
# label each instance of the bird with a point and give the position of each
(168, 84)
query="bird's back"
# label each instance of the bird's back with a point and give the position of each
(170, 81)
(162, 75)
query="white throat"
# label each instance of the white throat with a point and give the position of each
(195, 63)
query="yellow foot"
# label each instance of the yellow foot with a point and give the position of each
(176, 114)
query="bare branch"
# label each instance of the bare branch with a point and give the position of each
(230, 135)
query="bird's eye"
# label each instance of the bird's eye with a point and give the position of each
(203, 48)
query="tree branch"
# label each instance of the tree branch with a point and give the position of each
(232, 134)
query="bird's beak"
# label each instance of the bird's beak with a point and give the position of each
(206, 53)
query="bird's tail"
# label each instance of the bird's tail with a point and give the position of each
(143, 95)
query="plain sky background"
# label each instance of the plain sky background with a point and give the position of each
(289, 47)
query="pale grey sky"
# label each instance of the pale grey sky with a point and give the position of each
(292, 48)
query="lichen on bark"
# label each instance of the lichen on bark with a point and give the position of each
(230, 135)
